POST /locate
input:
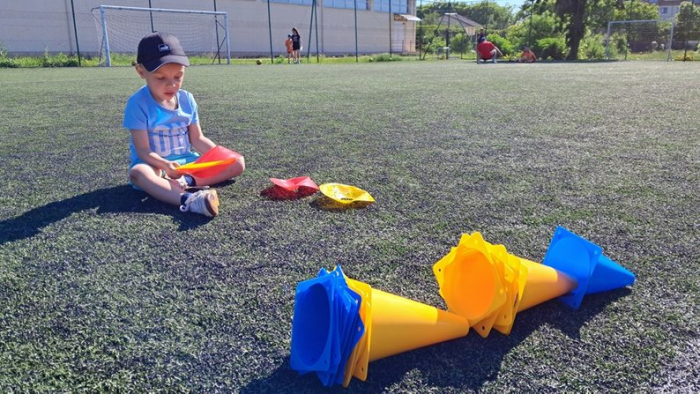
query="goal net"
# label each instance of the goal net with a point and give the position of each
(201, 33)
(638, 39)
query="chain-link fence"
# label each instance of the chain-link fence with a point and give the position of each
(257, 27)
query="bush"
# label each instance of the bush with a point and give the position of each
(438, 42)
(28, 62)
(6, 62)
(460, 43)
(60, 60)
(553, 48)
(533, 28)
(592, 48)
(503, 44)
(385, 57)
(619, 42)
(424, 37)
(686, 58)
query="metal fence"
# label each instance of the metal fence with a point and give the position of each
(257, 27)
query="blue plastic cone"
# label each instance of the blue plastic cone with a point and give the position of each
(584, 261)
(608, 275)
(338, 321)
(326, 326)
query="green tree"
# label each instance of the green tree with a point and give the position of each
(502, 43)
(535, 27)
(486, 13)
(687, 24)
(428, 17)
(491, 15)
(574, 15)
(636, 10)
(460, 43)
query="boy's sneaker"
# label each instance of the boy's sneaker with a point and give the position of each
(205, 202)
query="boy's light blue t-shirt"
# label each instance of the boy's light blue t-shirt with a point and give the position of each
(168, 134)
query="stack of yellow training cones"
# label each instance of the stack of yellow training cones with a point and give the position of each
(488, 286)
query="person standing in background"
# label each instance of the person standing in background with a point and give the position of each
(296, 45)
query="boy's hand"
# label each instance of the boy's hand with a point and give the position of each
(171, 170)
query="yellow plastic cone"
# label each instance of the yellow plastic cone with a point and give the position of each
(400, 324)
(471, 281)
(488, 286)
(515, 294)
(394, 324)
(359, 358)
(543, 284)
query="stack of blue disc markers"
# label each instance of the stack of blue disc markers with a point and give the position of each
(326, 326)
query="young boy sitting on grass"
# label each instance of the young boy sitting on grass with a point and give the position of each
(527, 56)
(165, 129)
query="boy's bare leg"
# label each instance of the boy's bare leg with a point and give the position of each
(149, 180)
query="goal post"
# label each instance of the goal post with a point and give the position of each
(119, 30)
(651, 38)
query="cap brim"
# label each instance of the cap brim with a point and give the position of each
(156, 64)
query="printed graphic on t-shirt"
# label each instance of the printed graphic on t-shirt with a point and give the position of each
(166, 140)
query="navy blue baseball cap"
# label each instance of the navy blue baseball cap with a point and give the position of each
(158, 49)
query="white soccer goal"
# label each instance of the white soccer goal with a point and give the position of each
(201, 33)
(649, 39)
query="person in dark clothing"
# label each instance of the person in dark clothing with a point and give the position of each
(296, 45)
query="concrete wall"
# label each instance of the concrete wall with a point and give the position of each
(30, 27)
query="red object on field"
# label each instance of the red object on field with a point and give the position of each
(294, 184)
(287, 189)
(225, 157)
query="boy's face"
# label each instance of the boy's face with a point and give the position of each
(165, 82)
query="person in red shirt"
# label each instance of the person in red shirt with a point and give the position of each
(290, 48)
(486, 50)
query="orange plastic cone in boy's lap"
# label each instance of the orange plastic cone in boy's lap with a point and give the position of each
(213, 162)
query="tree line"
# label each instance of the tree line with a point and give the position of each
(557, 29)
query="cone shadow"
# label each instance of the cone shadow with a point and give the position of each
(277, 193)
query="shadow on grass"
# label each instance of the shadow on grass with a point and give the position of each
(465, 364)
(118, 199)
(277, 193)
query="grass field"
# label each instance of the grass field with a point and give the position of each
(103, 289)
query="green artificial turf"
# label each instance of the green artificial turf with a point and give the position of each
(104, 289)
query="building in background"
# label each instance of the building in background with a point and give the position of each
(30, 27)
(669, 8)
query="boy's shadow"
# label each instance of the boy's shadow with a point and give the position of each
(117, 199)
(465, 363)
